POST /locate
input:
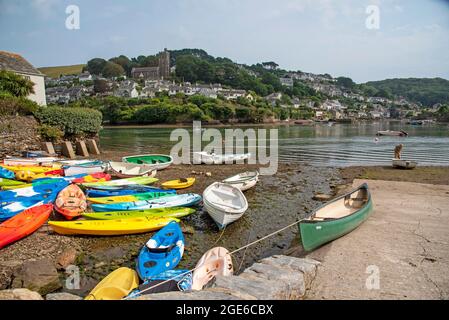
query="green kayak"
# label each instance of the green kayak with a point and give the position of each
(122, 182)
(336, 218)
(158, 161)
(8, 182)
(176, 212)
(132, 197)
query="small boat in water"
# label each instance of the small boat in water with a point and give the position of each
(117, 285)
(155, 161)
(162, 252)
(243, 181)
(212, 158)
(129, 170)
(392, 133)
(336, 218)
(215, 262)
(224, 203)
(404, 164)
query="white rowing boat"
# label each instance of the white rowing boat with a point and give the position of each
(129, 170)
(404, 164)
(212, 158)
(243, 181)
(224, 203)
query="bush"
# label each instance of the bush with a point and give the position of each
(72, 121)
(49, 133)
(11, 106)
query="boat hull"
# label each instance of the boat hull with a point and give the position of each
(404, 164)
(155, 161)
(316, 233)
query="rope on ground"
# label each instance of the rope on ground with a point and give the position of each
(230, 253)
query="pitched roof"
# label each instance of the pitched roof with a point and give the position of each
(15, 62)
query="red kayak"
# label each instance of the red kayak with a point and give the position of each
(24, 224)
(94, 177)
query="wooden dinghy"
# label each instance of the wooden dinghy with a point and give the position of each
(336, 218)
(243, 181)
(212, 158)
(155, 161)
(117, 285)
(129, 170)
(215, 262)
(71, 202)
(404, 164)
(224, 203)
(392, 133)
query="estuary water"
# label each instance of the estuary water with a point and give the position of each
(338, 145)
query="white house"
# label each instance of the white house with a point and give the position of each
(16, 63)
(85, 76)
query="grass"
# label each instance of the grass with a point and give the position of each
(55, 72)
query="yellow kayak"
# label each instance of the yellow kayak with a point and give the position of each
(115, 286)
(110, 227)
(33, 169)
(179, 184)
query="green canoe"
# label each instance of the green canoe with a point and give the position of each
(176, 212)
(336, 218)
(158, 161)
(8, 182)
(122, 182)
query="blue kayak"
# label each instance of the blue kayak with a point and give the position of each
(34, 191)
(178, 280)
(9, 209)
(180, 200)
(7, 174)
(162, 252)
(129, 190)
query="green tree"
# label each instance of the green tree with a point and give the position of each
(15, 84)
(346, 82)
(112, 69)
(96, 65)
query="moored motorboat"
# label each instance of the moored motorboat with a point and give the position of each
(336, 218)
(243, 181)
(224, 203)
(155, 161)
(129, 170)
(404, 164)
(212, 158)
(215, 262)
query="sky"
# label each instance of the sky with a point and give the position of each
(411, 38)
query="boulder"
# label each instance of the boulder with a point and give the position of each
(62, 296)
(40, 276)
(6, 273)
(66, 258)
(19, 294)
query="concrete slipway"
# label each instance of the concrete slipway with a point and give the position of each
(400, 252)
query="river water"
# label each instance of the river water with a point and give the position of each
(338, 145)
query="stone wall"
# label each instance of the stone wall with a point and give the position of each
(18, 133)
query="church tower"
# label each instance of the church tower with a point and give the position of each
(164, 64)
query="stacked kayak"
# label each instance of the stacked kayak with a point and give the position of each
(71, 202)
(132, 197)
(182, 200)
(34, 190)
(34, 161)
(162, 252)
(122, 182)
(117, 285)
(89, 167)
(111, 191)
(94, 177)
(24, 224)
(110, 227)
(7, 174)
(9, 183)
(152, 213)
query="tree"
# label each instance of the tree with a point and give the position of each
(346, 82)
(124, 62)
(15, 84)
(112, 69)
(96, 65)
(270, 65)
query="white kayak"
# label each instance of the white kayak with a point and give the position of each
(215, 262)
(72, 170)
(129, 170)
(243, 181)
(224, 203)
(212, 158)
(38, 161)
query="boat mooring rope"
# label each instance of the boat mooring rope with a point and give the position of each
(230, 253)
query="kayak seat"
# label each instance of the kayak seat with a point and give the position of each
(162, 249)
(150, 264)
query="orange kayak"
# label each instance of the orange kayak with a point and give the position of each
(94, 177)
(71, 202)
(24, 224)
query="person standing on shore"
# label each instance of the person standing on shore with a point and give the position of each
(397, 151)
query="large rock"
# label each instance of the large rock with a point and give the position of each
(6, 273)
(66, 258)
(19, 294)
(40, 276)
(62, 296)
